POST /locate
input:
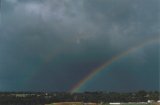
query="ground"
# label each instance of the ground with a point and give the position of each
(80, 103)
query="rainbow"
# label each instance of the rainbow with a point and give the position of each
(94, 72)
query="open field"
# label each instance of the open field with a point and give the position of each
(67, 103)
(80, 103)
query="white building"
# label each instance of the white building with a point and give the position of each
(115, 103)
(150, 101)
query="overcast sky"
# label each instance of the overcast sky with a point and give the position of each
(50, 45)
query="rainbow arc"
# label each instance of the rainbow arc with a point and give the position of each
(82, 82)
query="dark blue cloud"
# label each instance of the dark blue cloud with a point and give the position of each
(50, 45)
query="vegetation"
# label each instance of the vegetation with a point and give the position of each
(41, 98)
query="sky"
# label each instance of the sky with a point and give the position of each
(50, 45)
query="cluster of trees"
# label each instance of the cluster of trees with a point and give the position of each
(45, 98)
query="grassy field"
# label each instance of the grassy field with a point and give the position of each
(67, 103)
(80, 103)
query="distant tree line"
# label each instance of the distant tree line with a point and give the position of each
(41, 98)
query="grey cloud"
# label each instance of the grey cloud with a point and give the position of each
(39, 33)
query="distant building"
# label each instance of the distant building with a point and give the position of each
(114, 103)
(150, 101)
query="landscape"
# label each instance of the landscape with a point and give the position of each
(86, 98)
(79, 52)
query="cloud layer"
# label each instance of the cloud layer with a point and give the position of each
(51, 44)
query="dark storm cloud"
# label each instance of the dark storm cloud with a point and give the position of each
(46, 42)
(130, 75)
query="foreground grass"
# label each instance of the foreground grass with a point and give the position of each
(80, 103)
(67, 103)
